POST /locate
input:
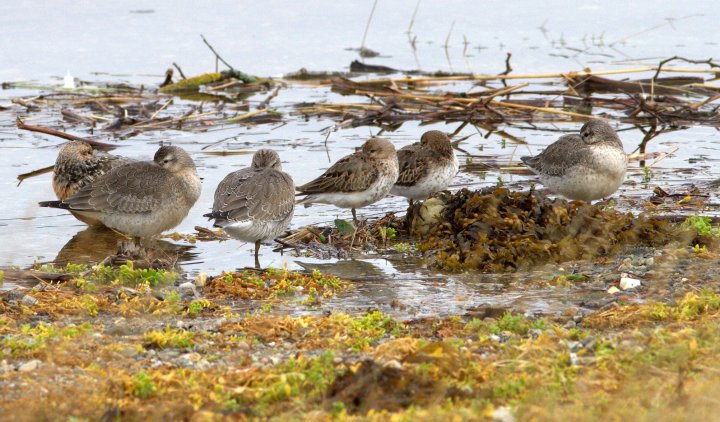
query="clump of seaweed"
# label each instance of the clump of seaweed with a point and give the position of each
(497, 230)
(274, 283)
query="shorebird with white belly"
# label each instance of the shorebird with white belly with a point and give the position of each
(356, 180)
(426, 167)
(140, 198)
(256, 203)
(582, 167)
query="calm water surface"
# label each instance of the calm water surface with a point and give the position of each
(135, 42)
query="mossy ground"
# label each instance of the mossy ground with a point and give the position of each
(130, 343)
(113, 344)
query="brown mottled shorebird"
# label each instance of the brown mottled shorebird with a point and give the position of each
(582, 167)
(255, 203)
(426, 167)
(140, 198)
(77, 165)
(356, 180)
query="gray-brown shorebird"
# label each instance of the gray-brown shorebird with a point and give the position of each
(77, 165)
(582, 167)
(356, 180)
(426, 167)
(140, 198)
(255, 203)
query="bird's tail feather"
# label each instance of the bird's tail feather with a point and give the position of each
(54, 204)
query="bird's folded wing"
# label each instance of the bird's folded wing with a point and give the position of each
(133, 188)
(558, 157)
(413, 166)
(349, 174)
(266, 195)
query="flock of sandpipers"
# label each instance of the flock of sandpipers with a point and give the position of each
(146, 198)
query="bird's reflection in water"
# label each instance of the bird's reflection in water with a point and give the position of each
(98, 244)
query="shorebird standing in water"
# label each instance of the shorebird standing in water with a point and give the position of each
(426, 167)
(356, 180)
(255, 203)
(582, 167)
(140, 198)
(77, 165)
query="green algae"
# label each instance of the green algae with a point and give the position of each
(194, 83)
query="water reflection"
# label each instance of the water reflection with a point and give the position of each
(93, 244)
(98, 244)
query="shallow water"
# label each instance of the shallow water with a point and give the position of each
(139, 42)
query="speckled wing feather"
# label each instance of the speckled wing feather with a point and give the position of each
(350, 174)
(69, 177)
(266, 195)
(130, 188)
(558, 157)
(413, 162)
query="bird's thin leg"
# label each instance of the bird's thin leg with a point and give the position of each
(257, 249)
(354, 217)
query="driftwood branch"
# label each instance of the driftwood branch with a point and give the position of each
(34, 173)
(708, 62)
(182, 75)
(217, 56)
(69, 137)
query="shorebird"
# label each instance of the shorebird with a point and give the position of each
(582, 167)
(77, 165)
(140, 198)
(426, 167)
(356, 180)
(255, 203)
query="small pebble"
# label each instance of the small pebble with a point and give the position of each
(28, 300)
(503, 414)
(589, 343)
(5, 366)
(573, 359)
(201, 280)
(627, 283)
(187, 288)
(29, 366)
(574, 346)
(535, 332)
(612, 290)
(392, 364)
